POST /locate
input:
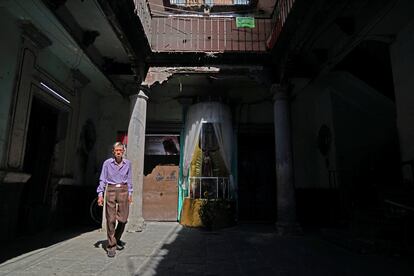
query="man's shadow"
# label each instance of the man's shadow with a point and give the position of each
(104, 244)
(101, 244)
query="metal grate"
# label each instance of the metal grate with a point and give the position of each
(209, 187)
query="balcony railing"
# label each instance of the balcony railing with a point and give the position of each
(280, 14)
(167, 32)
(209, 187)
(210, 3)
(207, 34)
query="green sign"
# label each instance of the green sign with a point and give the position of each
(245, 22)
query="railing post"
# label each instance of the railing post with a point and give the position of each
(217, 188)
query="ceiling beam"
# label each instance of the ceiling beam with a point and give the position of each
(201, 59)
(130, 32)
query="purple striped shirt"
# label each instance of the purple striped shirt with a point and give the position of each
(112, 173)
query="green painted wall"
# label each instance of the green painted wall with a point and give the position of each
(8, 67)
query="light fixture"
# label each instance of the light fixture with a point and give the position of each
(54, 93)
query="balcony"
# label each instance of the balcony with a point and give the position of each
(210, 25)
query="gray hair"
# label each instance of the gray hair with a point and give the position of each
(118, 144)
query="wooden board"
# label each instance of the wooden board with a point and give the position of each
(160, 194)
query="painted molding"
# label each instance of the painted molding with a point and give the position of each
(14, 177)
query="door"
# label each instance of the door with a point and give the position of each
(36, 196)
(160, 194)
(256, 178)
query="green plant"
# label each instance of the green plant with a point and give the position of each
(216, 213)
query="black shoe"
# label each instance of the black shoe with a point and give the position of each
(111, 253)
(120, 245)
(120, 242)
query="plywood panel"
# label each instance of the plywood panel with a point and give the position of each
(160, 194)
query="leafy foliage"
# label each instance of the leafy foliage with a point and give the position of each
(217, 213)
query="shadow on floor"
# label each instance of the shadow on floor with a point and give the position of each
(44, 239)
(258, 250)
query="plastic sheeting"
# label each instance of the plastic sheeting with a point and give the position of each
(219, 115)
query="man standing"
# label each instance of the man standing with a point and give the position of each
(116, 178)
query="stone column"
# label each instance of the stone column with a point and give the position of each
(135, 153)
(286, 204)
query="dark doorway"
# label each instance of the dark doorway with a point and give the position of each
(256, 178)
(40, 143)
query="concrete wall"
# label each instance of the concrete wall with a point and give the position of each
(310, 109)
(254, 113)
(22, 70)
(361, 120)
(249, 108)
(113, 116)
(85, 165)
(402, 59)
(168, 111)
(254, 104)
(99, 121)
(363, 133)
(8, 68)
(364, 123)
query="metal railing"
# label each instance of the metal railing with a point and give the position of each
(209, 2)
(404, 214)
(399, 209)
(280, 14)
(209, 187)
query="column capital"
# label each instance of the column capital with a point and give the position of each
(280, 91)
(142, 95)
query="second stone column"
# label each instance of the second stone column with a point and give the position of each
(135, 154)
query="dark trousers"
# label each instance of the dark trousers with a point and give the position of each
(116, 195)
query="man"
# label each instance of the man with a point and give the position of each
(116, 178)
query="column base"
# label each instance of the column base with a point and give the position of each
(288, 229)
(136, 225)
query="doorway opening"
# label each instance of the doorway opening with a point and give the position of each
(256, 177)
(35, 203)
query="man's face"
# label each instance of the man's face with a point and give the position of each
(118, 152)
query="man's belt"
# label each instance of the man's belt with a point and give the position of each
(119, 185)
